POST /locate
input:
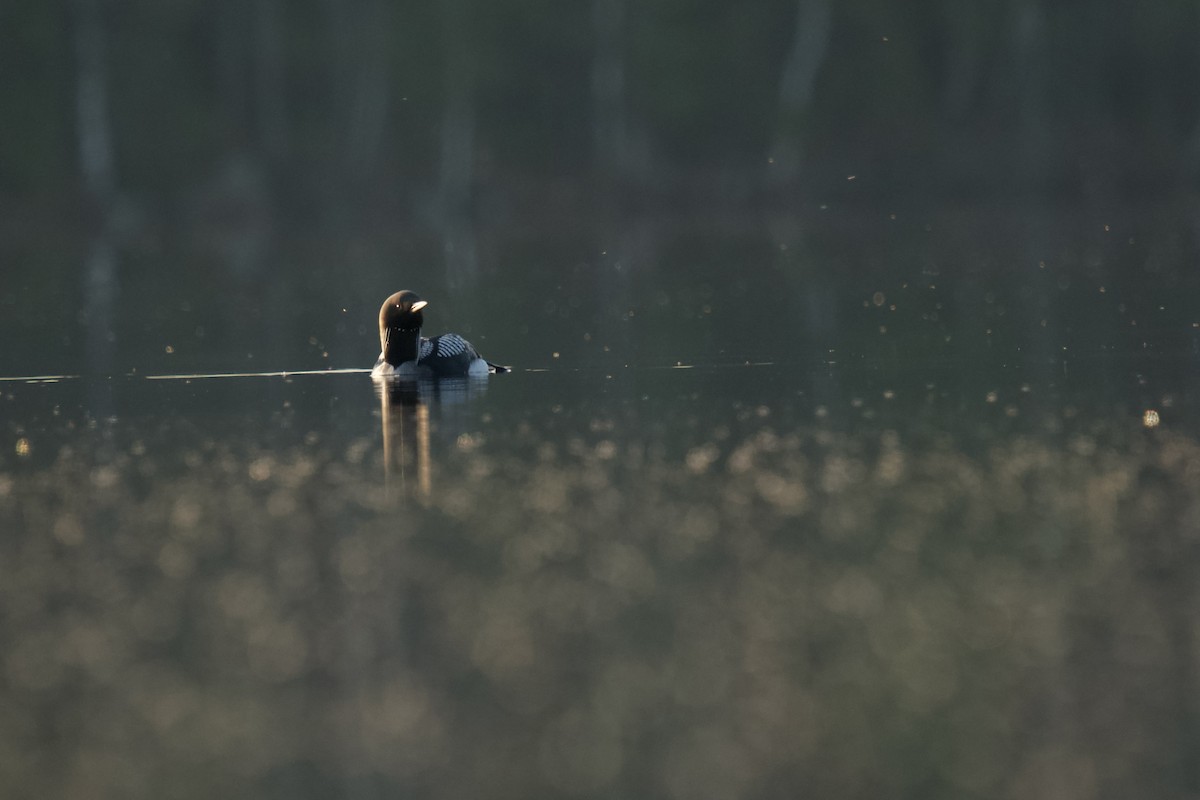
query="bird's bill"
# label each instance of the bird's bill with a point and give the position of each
(417, 306)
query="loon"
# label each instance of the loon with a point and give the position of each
(404, 352)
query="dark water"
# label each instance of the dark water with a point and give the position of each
(899, 517)
(750, 581)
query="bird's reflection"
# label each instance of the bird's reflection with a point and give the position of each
(405, 421)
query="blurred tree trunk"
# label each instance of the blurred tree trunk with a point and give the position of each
(369, 88)
(610, 138)
(809, 43)
(269, 80)
(965, 26)
(456, 175)
(233, 209)
(93, 128)
(97, 166)
(250, 66)
(357, 104)
(1030, 53)
(231, 53)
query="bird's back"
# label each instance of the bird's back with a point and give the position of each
(448, 354)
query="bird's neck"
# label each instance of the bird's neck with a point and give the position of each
(401, 345)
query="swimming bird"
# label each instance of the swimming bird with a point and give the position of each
(404, 352)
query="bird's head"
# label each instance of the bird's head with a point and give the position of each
(400, 319)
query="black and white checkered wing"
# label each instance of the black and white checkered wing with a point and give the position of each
(448, 354)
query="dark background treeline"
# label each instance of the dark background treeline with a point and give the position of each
(217, 175)
(384, 101)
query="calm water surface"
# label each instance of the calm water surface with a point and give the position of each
(915, 578)
(889, 504)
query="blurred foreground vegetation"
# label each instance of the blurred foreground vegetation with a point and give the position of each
(598, 605)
